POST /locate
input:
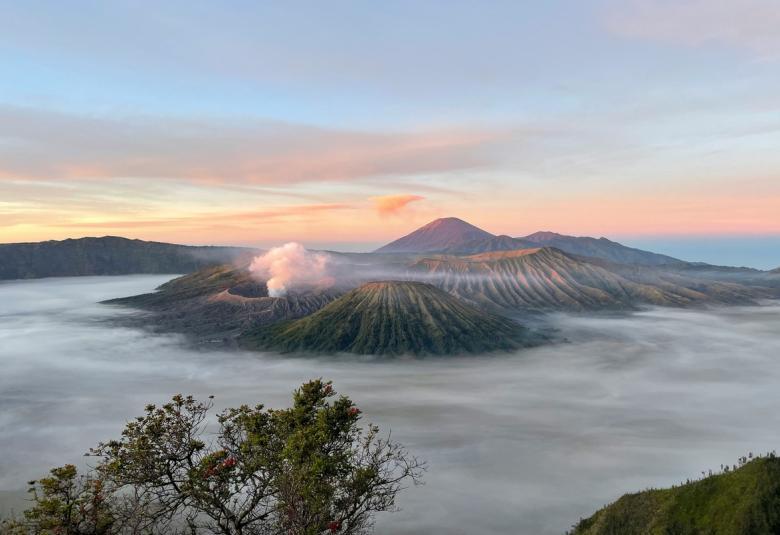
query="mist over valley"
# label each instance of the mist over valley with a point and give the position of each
(523, 442)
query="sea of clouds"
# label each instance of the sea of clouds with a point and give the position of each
(521, 443)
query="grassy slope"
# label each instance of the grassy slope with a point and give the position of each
(742, 502)
(393, 318)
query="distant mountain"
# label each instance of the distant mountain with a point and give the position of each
(393, 318)
(451, 235)
(598, 248)
(486, 245)
(745, 501)
(549, 279)
(109, 255)
(437, 235)
(775, 271)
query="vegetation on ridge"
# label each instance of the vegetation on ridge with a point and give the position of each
(743, 500)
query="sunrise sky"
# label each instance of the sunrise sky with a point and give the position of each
(346, 124)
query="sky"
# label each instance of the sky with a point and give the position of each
(347, 124)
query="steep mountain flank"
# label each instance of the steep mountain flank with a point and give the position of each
(393, 318)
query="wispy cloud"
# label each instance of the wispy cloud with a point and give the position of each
(388, 205)
(36, 144)
(747, 24)
(275, 215)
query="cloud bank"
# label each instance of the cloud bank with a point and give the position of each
(521, 444)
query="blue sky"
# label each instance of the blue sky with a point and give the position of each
(256, 123)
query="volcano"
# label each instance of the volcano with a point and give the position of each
(438, 235)
(546, 278)
(393, 318)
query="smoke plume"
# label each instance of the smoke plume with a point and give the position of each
(289, 266)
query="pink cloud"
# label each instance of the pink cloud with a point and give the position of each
(388, 205)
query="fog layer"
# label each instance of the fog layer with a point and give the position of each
(524, 443)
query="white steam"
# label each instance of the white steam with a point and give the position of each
(289, 266)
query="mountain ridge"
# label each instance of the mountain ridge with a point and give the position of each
(108, 255)
(547, 278)
(451, 235)
(599, 248)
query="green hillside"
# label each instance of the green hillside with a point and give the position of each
(393, 318)
(745, 501)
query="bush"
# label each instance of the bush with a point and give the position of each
(306, 470)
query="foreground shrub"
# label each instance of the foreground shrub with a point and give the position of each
(307, 470)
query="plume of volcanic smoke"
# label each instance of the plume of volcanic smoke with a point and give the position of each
(289, 266)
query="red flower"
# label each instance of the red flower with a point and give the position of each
(230, 462)
(353, 411)
(334, 526)
(328, 389)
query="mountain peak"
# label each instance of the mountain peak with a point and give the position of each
(447, 221)
(438, 235)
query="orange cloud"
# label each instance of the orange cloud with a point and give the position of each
(388, 205)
